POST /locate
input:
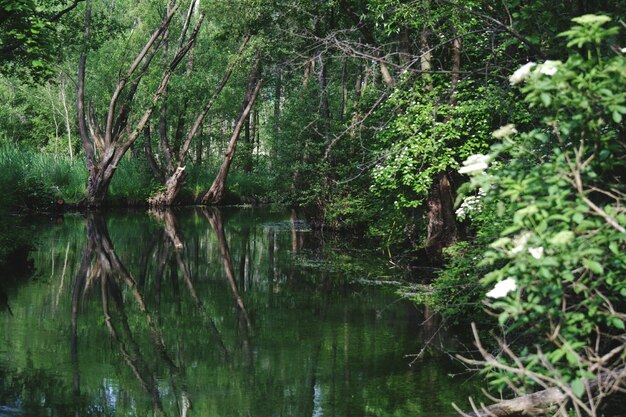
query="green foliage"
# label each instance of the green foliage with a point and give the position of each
(254, 185)
(34, 35)
(564, 244)
(427, 136)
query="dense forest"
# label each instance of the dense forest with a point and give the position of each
(483, 137)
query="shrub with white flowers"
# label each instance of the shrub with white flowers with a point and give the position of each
(558, 269)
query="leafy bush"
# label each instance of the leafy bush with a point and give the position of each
(458, 292)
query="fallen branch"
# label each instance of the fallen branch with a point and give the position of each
(536, 403)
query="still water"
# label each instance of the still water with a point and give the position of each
(237, 312)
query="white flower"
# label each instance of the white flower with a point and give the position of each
(504, 131)
(520, 243)
(502, 288)
(549, 67)
(522, 73)
(475, 164)
(623, 50)
(536, 253)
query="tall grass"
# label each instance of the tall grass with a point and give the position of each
(32, 180)
(132, 183)
(199, 179)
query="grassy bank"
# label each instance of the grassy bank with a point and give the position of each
(32, 180)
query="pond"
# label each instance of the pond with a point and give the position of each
(207, 312)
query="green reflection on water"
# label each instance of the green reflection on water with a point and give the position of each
(209, 313)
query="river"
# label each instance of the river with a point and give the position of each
(232, 312)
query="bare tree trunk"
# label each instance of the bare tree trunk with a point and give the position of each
(405, 48)
(67, 118)
(532, 404)
(153, 164)
(248, 154)
(248, 143)
(80, 95)
(216, 193)
(173, 184)
(278, 91)
(199, 146)
(54, 119)
(456, 68)
(308, 69)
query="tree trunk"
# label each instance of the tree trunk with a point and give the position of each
(308, 69)
(426, 57)
(249, 133)
(344, 90)
(155, 168)
(67, 117)
(278, 89)
(101, 175)
(324, 107)
(216, 193)
(442, 228)
(456, 68)
(404, 53)
(248, 144)
(199, 146)
(173, 185)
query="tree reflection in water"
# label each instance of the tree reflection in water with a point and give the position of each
(207, 312)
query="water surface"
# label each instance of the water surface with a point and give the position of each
(238, 312)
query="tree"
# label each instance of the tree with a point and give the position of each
(172, 172)
(217, 191)
(106, 144)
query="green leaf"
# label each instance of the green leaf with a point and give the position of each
(617, 117)
(557, 355)
(578, 387)
(591, 19)
(546, 99)
(617, 323)
(594, 266)
(572, 357)
(562, 238)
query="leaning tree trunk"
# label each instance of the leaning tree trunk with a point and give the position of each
(217, 192)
